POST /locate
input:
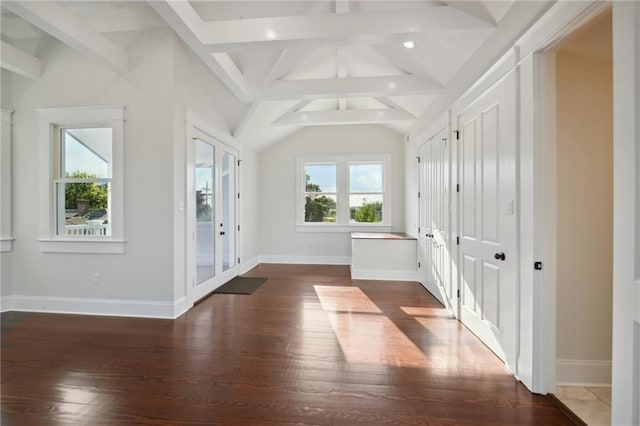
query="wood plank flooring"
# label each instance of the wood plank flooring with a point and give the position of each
(309, 347)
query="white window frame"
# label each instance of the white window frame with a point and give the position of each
(51, 121)
(343, 223)
(6, 232)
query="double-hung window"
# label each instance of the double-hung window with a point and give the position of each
(344, 192)
(82, 179)
(320, 192)
(83, 185)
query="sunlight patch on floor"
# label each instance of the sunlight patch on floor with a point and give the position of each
(415, 311)
(345, 299)
(364, 333)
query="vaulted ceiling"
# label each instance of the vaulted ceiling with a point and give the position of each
(299, 63)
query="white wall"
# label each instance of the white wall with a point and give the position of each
(164, 81)
(5, 87)
(278, 187)
(584, 96)
(411, 219)
(197, 89)
(6, 205)
(144, 272)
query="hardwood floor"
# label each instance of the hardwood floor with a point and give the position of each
(308, 347)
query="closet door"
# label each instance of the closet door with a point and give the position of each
(435, 250)
(440, 220)
(424, 240)
(487, 227)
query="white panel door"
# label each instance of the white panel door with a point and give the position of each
(435, 238)
(440, 222)
(487, 213)
(424, 241)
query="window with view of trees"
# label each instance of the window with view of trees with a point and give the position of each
(366, 192)
(320, 193)
(82, 186)
(81, 179)
(344, 190)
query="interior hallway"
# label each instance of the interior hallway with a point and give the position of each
(310, 346)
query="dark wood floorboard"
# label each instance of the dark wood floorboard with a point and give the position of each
(309, 347)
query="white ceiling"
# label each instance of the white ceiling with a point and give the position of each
(299, 63)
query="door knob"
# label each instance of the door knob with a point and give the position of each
(499, 256)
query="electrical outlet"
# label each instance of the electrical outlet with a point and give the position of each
(95, 279)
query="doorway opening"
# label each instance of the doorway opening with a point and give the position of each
(579, 68)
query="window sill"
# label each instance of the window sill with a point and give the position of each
(343, 228)
(82, 246)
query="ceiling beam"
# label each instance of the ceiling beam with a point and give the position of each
(246, 119)
(185, 21)
(344, 87)
(53, 19)
(342, 6)
(352, 116)
(19, 62)
(231, 70)
(285, 63)
(515, 22)
(390, 103)
(341, 61)
(373, 27)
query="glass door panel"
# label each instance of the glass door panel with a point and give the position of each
(205, 220)
(228, 220)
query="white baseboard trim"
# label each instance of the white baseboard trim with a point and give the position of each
(249, 264)
(578, 372)
(6, 303)
(309, 260)
(106, 307)
(180, 307)
(383, 274)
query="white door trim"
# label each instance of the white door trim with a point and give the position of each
(560, 23)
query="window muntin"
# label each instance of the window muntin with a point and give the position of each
(83, 182)
(355, 191)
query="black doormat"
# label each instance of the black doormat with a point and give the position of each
(241, 285)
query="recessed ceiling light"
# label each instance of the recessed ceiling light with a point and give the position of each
(409, 44)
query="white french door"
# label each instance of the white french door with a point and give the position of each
(487, 260)
(211, 215)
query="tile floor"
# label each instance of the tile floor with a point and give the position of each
(591, 404)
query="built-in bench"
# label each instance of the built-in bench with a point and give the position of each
(383, 256)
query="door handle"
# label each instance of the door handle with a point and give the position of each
(500, 256)
(221, 232)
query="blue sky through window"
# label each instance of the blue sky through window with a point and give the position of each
(365, 178)
(83, 155)
(323, 175)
